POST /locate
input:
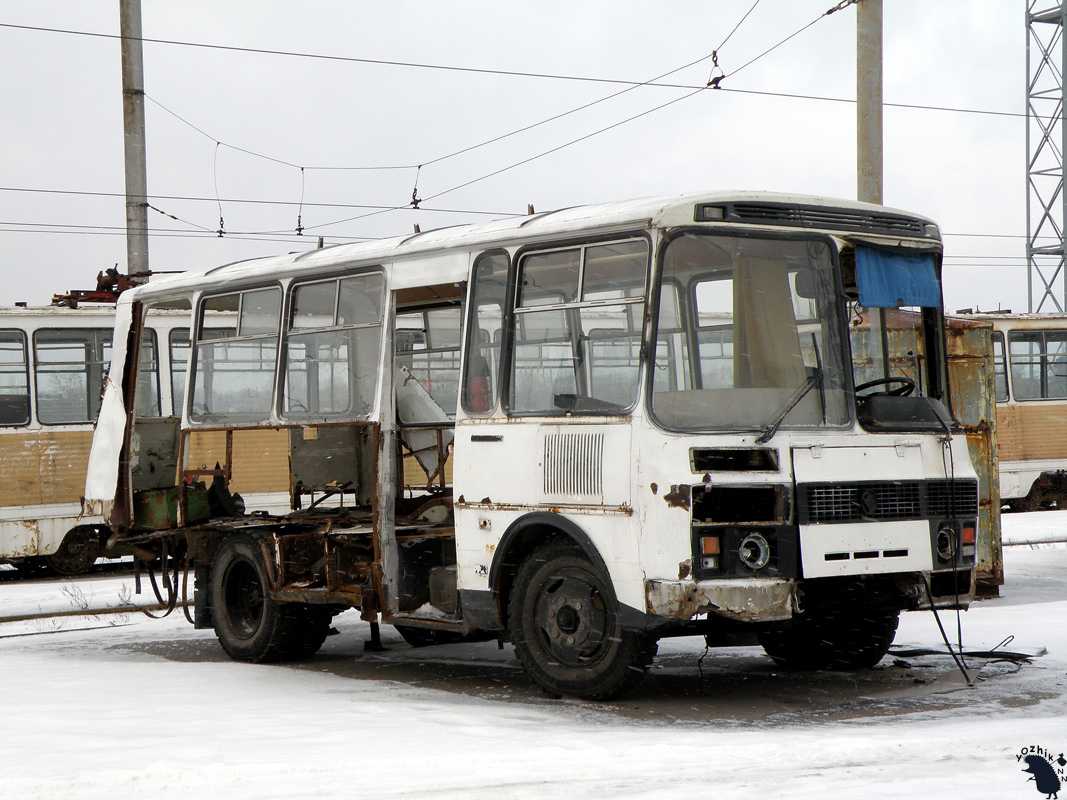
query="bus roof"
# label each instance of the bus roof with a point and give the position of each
(663, 211)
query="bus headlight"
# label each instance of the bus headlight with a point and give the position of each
(946, 542)
(754, 552)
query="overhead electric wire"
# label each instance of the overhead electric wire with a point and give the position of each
(186, 234)
(842, 5)
(256, 202)
(516, 164)
(469, 148)
(415, 201)
(515, 73)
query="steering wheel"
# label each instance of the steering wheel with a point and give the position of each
(907, 386)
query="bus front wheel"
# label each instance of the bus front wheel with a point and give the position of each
(564, 623)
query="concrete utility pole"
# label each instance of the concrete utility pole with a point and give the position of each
(869, 128)
(869, 99)
(134, 141)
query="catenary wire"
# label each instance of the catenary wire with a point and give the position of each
(232, 200)
(467, 149)
(513, 73)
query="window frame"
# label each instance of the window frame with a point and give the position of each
(690, 328)
(102, 339)
(472, 327)
(287, 330)
(998, 338)
(238, 419)
(513, 313)
(1041, 337)
(30, 400)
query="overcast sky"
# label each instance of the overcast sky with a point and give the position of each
(220, 122)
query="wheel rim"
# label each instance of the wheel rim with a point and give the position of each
(572, 617)
(243, 597)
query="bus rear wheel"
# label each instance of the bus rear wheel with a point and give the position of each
(564, 623)
(249, 623)
(831, 637)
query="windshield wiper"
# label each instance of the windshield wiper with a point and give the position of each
(801, 391)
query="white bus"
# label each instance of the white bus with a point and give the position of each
(680, 415)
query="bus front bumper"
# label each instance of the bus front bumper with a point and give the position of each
(741, 599)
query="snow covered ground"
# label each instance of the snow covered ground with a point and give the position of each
(121, 706)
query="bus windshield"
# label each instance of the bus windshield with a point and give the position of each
(748, 335)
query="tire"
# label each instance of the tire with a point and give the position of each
(314, 628)
(250, 625)
(831, 638)
(563, 620)
(77, 552)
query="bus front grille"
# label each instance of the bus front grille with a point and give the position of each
(885, 500)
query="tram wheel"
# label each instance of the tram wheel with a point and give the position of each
(77, 552)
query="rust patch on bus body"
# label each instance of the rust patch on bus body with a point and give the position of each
(678, 496)
(744, 599)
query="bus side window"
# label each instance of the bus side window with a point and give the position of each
(572, 302)
(14, 379)
(233, 378)
(148, 404)
(332, 348)
(427, 345)
(484, 333)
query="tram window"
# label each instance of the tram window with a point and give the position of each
(1038, 364)
(715, 331)
(1000, 368)
(69, 366)
(14, 379)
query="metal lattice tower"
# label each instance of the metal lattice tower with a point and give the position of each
(1046, 142)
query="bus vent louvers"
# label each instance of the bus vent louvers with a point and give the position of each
(940, 498)
(886, 500)
(825, 218)
(574, 464)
